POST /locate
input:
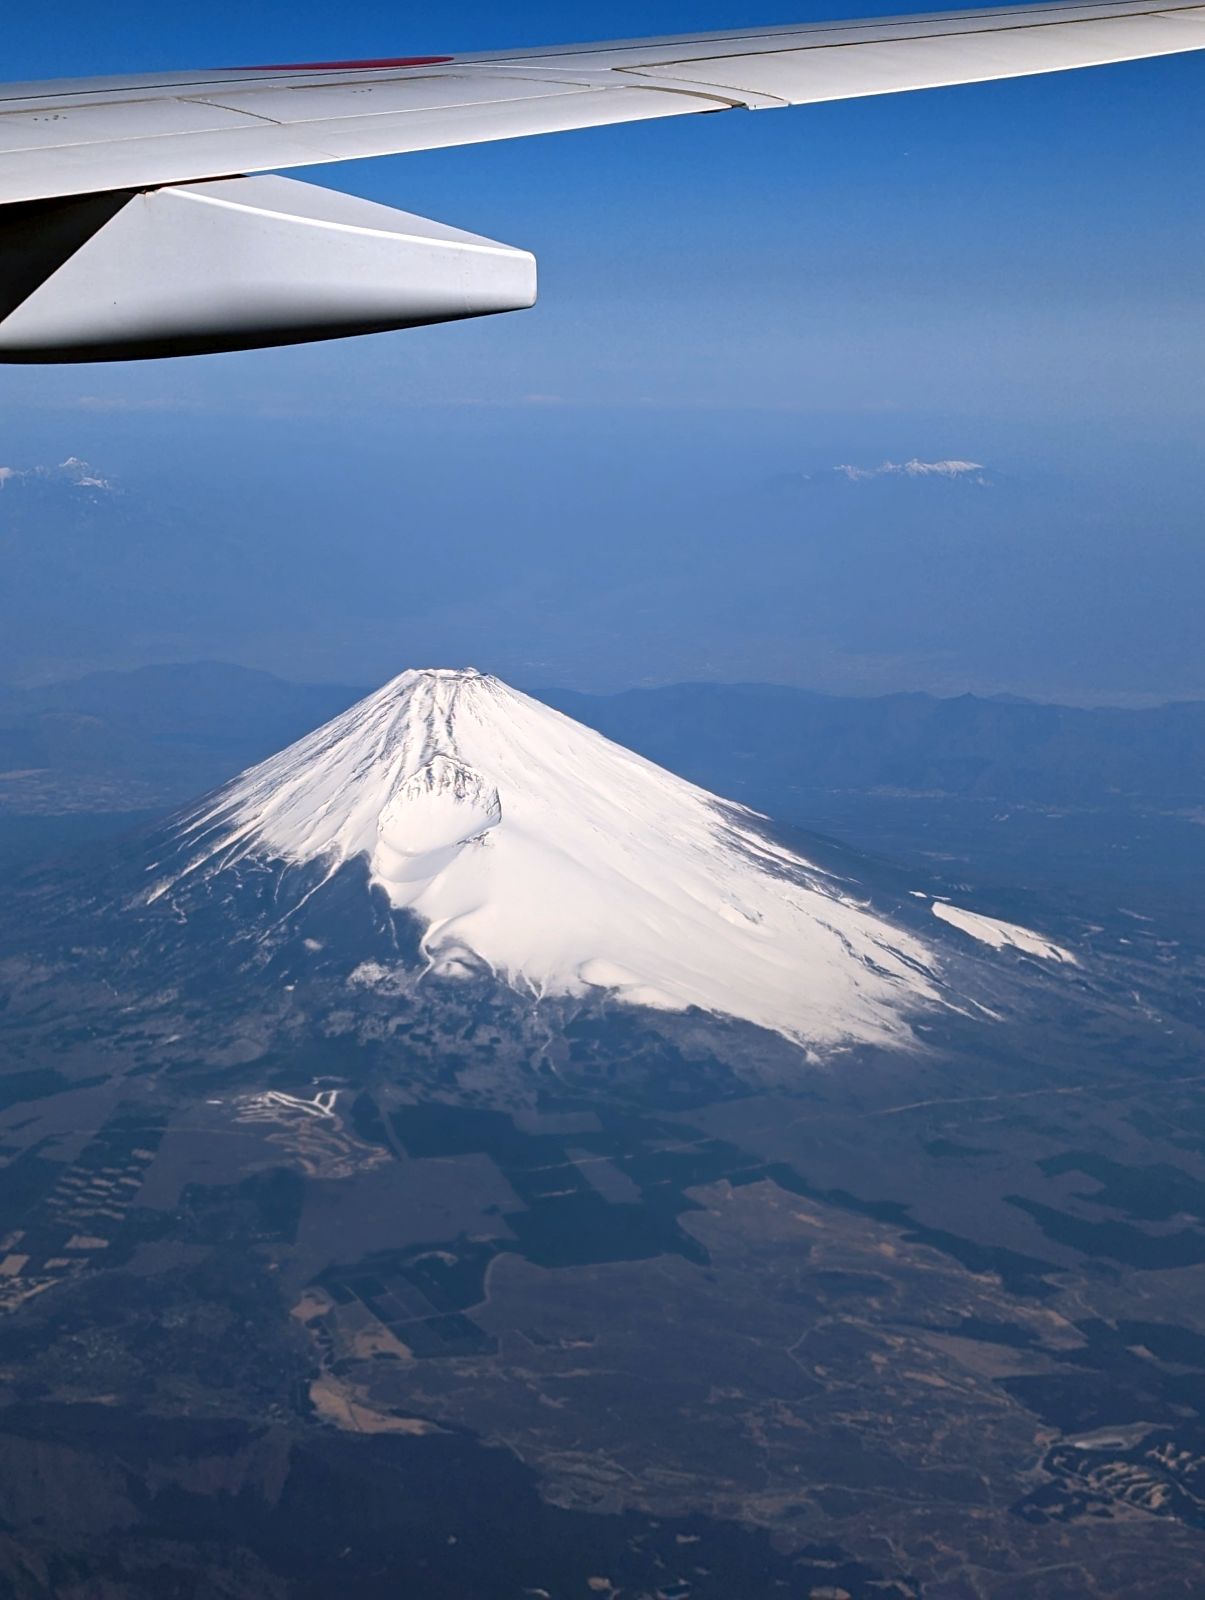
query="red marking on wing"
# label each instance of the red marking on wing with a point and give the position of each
(349, 66)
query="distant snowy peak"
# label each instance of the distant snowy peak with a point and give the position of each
(964, 472)
(70, 474)
(82, 476)
(533, 848)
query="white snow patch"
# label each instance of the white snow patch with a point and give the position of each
(1003, 935)
(566, 865)
(368, 975)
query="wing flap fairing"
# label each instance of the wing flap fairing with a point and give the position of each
(237, 264)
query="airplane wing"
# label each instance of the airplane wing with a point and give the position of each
(89, 136)
(103, 169)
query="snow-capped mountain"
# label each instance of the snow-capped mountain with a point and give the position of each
(936, 483)
(531, 847)
(971, 472)
(70, 475)
(964, 471)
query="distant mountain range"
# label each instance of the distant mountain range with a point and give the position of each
(1099, 802)
(71, 480)
(973, 473)
(778, 739)
(1031, 787)
(148, 739)
(174, 731)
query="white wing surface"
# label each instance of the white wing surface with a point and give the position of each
(101, 134)
(145, 142)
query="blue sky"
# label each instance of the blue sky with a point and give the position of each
(1005, 272)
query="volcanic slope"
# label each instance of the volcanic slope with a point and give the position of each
(527, 844)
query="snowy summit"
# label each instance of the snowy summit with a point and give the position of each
(534, 847)
(960, 471)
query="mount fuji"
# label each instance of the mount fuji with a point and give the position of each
(526, 848)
